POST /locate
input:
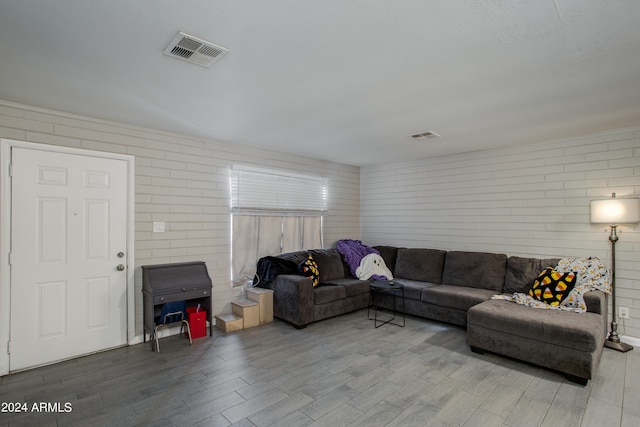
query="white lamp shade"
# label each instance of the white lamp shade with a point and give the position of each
(615, 211)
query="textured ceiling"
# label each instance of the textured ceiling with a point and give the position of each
(345, 81)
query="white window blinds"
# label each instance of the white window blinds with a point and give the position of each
(255, 190)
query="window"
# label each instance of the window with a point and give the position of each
(273, 212)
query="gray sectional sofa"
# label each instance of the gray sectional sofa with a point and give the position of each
(453, 287)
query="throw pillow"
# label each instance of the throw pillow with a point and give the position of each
(309, 268)
(552, 287)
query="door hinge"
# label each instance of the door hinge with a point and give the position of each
(10, 169)
(10, 258)
(9, 347)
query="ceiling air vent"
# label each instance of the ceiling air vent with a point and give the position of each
(425, 135)
(194, 50)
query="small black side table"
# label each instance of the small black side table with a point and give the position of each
(386, 287)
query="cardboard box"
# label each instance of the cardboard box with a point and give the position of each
(264, 298)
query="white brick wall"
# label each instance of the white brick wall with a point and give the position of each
(530, 201)
(184, 182)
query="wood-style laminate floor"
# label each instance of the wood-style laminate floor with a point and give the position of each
(337, 372)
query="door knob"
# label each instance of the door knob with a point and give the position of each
(120, 267)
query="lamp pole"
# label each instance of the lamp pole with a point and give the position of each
(614, 212)
(613, 340)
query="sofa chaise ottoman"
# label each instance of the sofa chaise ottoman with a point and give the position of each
(561, 340)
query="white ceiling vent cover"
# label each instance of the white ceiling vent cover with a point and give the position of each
(194, 50)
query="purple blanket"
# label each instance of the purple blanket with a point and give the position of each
(353, 251)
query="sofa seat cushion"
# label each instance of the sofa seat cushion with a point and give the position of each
(323, 294)
(413, 288)
(352, 286)
(419, 264)
(458, 297)
(578, 331)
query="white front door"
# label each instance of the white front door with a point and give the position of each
(68, 260)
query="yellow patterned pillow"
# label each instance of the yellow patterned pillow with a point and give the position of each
(552, 287)
(309, 268)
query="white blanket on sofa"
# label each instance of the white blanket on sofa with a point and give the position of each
(591, 274)
(371, 265)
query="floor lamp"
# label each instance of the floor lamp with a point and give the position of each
(615, 212)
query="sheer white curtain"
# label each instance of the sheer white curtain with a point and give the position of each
(244, 247)
(256, 236)
(292, 234)
(312, 232)
(273, 212)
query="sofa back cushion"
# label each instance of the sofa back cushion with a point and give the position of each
(424, 265)
(295, 257)
(329, 263)
(475, 269)
(389, 255)
(522, 272)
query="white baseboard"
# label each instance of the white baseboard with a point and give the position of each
(630, 340)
